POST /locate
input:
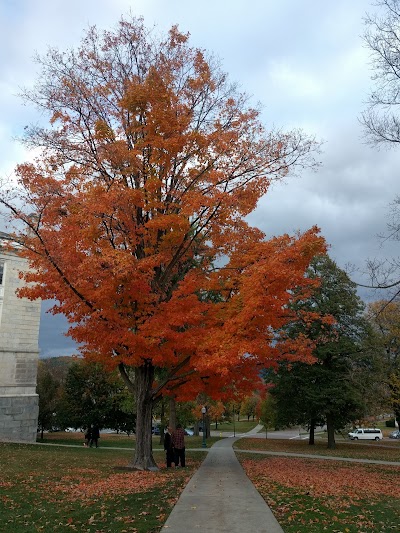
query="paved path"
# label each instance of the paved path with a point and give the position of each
(220, 497)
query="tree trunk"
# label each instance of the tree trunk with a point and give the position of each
(143, 458)
(331, 432)
(172, 412)
(162, 425)
(311, 439)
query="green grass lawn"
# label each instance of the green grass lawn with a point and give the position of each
(382, 451)
(77, 438)
(240, 427)
(54, 488)
(58, 488)
(112, 440)
(193, 442)
(315, 495)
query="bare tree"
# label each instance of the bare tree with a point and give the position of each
(381, 118)
(381, 122)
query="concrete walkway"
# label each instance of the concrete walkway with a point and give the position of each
(220, 497)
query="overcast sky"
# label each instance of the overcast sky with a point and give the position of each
(304, 61)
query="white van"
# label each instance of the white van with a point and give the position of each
(366, 434)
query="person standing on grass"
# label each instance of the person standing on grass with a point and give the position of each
(169, 449)
(178, 442)
(95, 435)
(88, 436)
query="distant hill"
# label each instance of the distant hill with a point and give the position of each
(61, 360)
(58, 366)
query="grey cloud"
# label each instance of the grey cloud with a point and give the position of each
(52, 339)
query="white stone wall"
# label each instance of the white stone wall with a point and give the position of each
(19, 349)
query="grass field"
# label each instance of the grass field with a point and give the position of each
(380, 451)
(54, 488)
(314, 495)
(240, 427)
(112, 440)
(60, 488)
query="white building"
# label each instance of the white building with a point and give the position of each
(19, 350)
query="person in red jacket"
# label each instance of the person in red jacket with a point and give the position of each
(178, 442)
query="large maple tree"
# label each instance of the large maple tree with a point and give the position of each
(135, 214)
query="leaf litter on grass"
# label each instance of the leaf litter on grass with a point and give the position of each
(317, 494)
(82, 492)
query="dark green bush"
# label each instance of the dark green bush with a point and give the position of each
(390, 423)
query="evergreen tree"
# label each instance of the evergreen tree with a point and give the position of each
(94, 396)
(324, 392)
(48, 388)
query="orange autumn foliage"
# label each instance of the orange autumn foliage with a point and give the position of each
(215, 412)
(150, 165)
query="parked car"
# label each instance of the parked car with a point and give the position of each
(200, 427)
(366, 434)
(155, 430)
(395, 434)
(189, 432)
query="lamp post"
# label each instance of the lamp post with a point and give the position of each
(203, 412)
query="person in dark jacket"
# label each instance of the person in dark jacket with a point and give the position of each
(95, 435)
(169, 449)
